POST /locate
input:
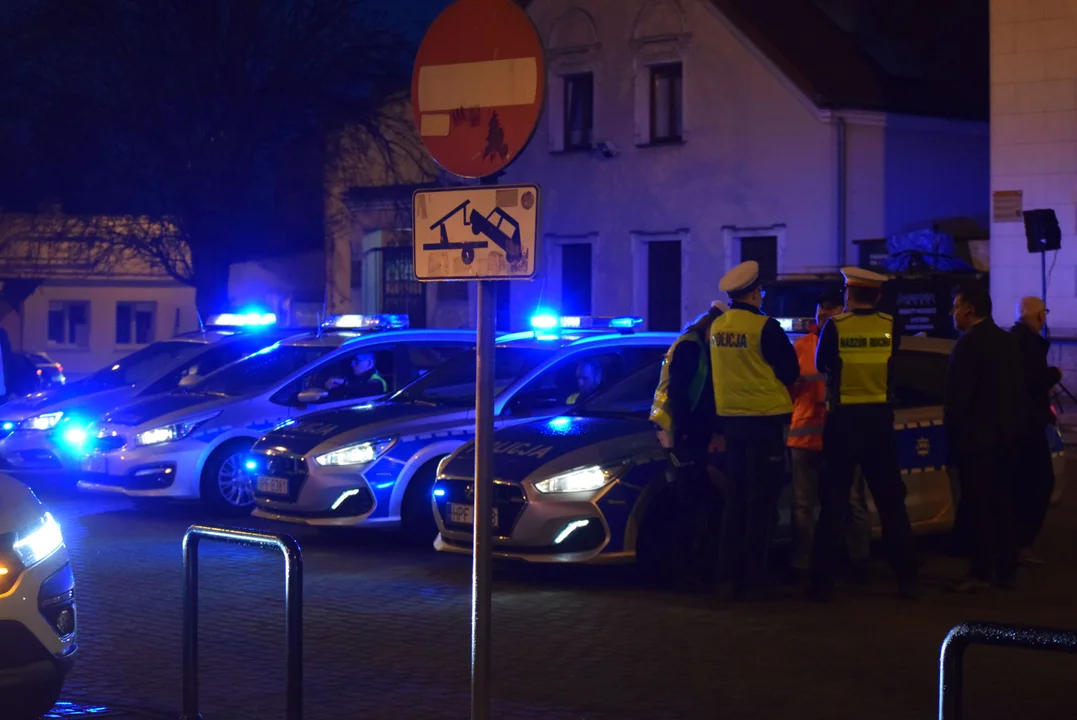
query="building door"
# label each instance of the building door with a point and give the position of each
(664, 285)
(576, 279)
(402, 294)
(764, 250)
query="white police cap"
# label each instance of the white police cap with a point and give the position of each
(741, 279)
(859, 277)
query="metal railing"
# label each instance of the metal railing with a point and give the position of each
(293, 609)
(960, 637)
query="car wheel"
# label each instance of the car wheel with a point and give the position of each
(30, 702)
(226, 485)
(416, 513)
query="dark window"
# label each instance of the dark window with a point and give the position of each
(69, 323)
(664, 285)
(453, 382)
(215, 357)
(919, 378)
(135, 323)
(579, 111)
(764, 250)
(576, 279)
(357, 272)
(419, 359)
(666, 103)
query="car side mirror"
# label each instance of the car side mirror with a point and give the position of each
(312, 397)
(189, 380)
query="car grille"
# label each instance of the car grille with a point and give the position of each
(108, 443)
(290, 467)
(508, 499)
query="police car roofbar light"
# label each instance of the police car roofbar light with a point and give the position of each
(580, 322)
(251, 319)
(366, 322)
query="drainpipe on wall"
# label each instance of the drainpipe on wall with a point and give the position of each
(841, 192)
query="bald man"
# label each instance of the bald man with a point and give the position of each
(1035, 482)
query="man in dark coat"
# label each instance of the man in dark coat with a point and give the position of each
(1035, 481)
(984, 417)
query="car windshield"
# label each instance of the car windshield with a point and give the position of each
(259, 371)
(143, 365)
(629, 398)
(453, 381)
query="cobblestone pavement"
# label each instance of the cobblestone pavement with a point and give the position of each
(387, 634)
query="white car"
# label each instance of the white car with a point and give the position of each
(376, 464)
(42, 434)
(37, 605)
(192, 443)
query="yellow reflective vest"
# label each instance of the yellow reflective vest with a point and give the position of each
(660, 411)
(865, 345)
(744, 384)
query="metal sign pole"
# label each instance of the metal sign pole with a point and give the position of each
(484, 489)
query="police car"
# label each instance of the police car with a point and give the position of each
(588, 487)
(37, 605)
(376, 464)
(43, 433)
(191, 443)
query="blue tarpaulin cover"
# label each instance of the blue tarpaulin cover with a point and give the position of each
(924, 249)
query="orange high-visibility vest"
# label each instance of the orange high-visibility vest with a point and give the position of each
(809, 399)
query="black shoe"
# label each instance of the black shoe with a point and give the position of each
(971, 586)
(1031, 559)
(909, 589)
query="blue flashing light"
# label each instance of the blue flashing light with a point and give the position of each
(251, 465)
(439, 492)
(560, 423)
(366, 322)
(544, 322)
(75, 436)
(8, 426)
(242, 319)
(625, 323)
(384, 485)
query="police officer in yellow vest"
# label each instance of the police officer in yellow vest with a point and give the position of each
(683, 412)
(856, 351)
(753, 364)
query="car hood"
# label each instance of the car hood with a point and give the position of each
(558, 444)
(70, 398)
(166, 408)
(19, 507)
(357, 423)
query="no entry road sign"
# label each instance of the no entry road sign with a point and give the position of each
(478, 86)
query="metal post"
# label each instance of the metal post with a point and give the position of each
(293, 608)
(951, 657)
(484, 490)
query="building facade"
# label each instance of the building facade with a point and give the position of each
(83, 302)
(678, 140)
(1034, 152)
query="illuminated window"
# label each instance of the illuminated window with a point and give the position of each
(666, 103)
(135, 323)
(69, 323)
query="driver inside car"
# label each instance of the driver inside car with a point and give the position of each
(362, 381)
(588, 381)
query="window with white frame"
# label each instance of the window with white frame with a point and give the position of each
(579, 111)
(69, 323)
(135, 323)
(667, 103)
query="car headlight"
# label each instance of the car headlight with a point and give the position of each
(45, 421)
(356, 454)
(38, 541)
(584, 479)
(170, 433)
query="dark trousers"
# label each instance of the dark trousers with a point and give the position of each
(755, 471)
(1033, 484)
(860, 436)
(695, 520)
(988, 514)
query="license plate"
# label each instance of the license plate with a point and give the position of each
(465, 515)
(272, 485)
(95, 464)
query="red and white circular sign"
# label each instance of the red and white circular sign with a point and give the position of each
(478, 86)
